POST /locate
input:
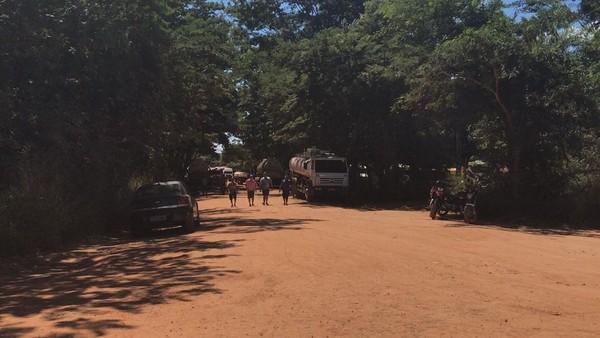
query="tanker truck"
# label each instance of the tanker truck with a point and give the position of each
(272, 168)
(317, 173)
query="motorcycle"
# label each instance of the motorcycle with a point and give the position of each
(451, 203)
(437, 198)
(464, 204)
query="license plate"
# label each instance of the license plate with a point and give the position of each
(160, 218)
(331, 189)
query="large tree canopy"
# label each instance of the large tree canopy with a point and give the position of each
(98, 96)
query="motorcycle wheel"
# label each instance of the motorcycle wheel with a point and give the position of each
(433, 209)
(443, 210)
(470, 215)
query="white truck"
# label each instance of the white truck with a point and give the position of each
(317, 172)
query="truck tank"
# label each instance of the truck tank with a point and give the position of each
(297, 165)
(272, 168)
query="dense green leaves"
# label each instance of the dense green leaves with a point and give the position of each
(97, 96)
(431, 84)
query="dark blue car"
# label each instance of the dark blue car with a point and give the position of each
(162, 204)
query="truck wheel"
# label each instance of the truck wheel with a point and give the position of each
(309, 194)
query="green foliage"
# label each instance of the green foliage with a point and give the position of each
(293, 19)
(432, 84)
(95, 94)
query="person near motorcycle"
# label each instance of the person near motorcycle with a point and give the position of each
(436, 193)
(434, 189)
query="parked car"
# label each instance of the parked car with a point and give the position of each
(162, 204)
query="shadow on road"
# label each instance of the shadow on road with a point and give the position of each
(531, 229)
(362, 206)
(120, 275)
(14, 331)
(241, 225)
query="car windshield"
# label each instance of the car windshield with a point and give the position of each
(330, 166)
(158, 189)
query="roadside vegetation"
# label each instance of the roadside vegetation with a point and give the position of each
(97, 97)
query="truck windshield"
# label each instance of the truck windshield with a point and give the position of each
(330, 166)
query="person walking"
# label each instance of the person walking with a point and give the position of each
(285, 187)
(232, 189)
(265, 187)
(251, 187)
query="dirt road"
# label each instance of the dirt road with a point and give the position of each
(313, 271)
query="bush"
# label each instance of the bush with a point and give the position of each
(54, 203)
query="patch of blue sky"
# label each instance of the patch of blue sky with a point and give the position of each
(510, 10)
(513, 9)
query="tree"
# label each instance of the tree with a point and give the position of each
(98, 95)
(525, 71)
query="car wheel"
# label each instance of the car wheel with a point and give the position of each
(196, 214)
(188, 226)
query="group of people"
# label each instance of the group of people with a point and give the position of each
(265, 184)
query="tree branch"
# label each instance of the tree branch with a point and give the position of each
(505, 111)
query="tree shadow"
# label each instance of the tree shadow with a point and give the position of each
(218, 211)
(97, 327)
(551, 230)
(237, 225)
(119, 274)
(381, 206)
(14, 331)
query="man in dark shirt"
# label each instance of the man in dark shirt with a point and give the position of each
(265, 186)
(285, 187)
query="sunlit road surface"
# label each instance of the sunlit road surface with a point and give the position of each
(312, 271)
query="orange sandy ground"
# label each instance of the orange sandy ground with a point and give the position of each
(313, 271)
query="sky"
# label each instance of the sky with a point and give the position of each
(573, 4)
(510, 11)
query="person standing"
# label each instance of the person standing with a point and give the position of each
(265, 187)
(285, 187)
(232, 189)
(251, 187)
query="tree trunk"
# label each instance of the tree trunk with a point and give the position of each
(459, 136)
(515, 166)
(512, 139)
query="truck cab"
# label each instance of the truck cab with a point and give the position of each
(328, 173)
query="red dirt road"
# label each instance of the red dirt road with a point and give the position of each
(313, 271)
